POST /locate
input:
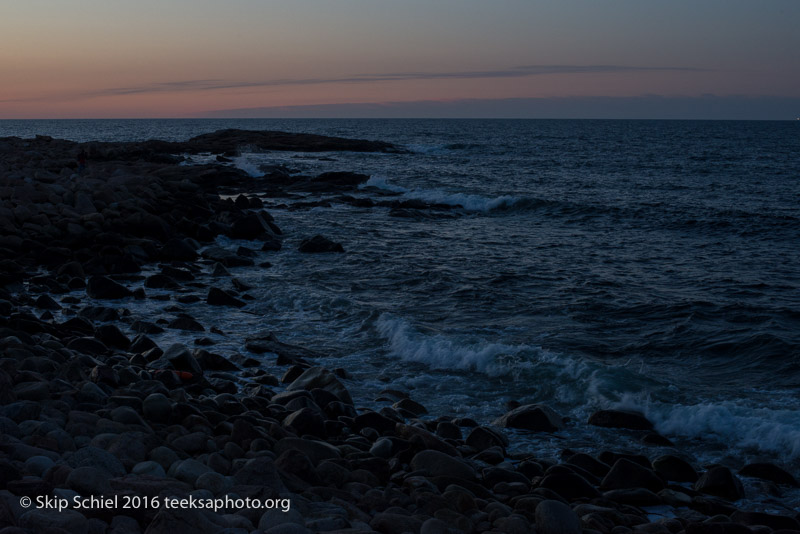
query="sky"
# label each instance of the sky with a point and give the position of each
(409, 58)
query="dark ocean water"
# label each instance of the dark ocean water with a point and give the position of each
(642, 264)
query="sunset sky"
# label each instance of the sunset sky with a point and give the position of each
(195, 58)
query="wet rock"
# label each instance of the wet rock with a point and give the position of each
(435, 463)
(271, 244)
(411, 406)
(768, 471)
(629, 419)
(218, 297)
(626, 474)
(46, 302)
(319, 377)
(187, 324)
(482, 438)
(534, 417)
(370, 419)
(102, 287)
(226, 257)
(160, 281)
(251, 226)
(775, 522)
(590, 464)
(178, 250)
(569, 486)
(319, 243)
(422, 438)
(675, 469)
(306, 421)
(87, 345)
(447, 430)
(142, 343)
(181, 359)
(146, 327)
(720, 482)
(554, 517)
(111, 336)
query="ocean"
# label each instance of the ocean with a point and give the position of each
(650, 265)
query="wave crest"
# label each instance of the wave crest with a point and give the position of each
(466, 201)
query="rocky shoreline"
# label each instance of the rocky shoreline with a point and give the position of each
(90, 405)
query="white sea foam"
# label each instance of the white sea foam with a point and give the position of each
(441, 352)
(246, 164)
(467, 201)
(382, 182)
(736, 424)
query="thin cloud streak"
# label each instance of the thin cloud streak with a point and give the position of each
(220, 84)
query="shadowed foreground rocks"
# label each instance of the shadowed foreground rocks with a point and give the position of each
(91, 405)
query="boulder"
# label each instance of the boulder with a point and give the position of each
(569, 486)
(629, 419)
(251, 226)
(102, 287)
(181, 359)
(554, 517)
(157, 407)
(625, 474)
(160, 281)
(187, 324)
(319, 377)
(534, 417)
(720, 482)
(675, 469)
(775, 522)
(768, 471)
(435, 463)
(482, 438)
(319, 243)
(178, 250)
(218, 297)
(306, 421)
